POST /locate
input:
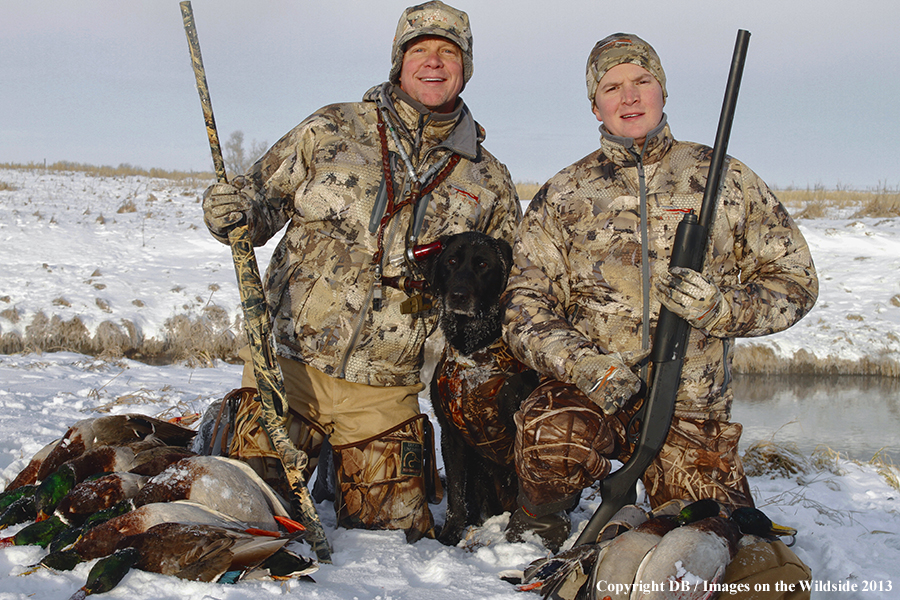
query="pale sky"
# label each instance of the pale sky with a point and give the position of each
(107, 82)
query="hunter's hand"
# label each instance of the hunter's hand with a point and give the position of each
(691, 296)
(224, 206)
(606, 380)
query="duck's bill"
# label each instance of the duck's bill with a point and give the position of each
(782, 530)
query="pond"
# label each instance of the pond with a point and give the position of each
(857, 416)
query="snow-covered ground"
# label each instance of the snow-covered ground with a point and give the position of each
(133, 252)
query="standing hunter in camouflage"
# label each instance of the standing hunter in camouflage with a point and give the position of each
(590, 273)
(358, 184)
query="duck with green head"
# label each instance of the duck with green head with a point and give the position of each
(693, 558)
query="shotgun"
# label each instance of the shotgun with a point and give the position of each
(257, 325)
(671, 335)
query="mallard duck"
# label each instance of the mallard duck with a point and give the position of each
(36, 534)
(110, 430)
(223, 484)
(618, 562)
(691, 560)
(103, 539)
(102, 459)
(94, 495)
(28, 475)
(189, 551)
(572, 568)
(20, 511)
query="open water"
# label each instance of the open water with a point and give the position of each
(857, 416)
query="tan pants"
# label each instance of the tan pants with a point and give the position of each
(381, 445)
(345, 411)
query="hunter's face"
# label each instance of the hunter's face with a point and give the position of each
(629, 102)
(432, 72)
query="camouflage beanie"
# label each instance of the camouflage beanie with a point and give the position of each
(432, 18)
(621, 48)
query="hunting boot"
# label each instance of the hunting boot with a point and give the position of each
(251, 444)
(381, 482)
(549, 521)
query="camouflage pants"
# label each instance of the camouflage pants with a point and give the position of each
(381, 481)
(564, 443)
(359, 420)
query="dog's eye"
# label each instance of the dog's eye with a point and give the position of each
(482, 264)
(452, 261)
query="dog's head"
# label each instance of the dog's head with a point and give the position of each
(467, 278)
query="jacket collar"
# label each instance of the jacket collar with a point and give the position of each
(623, 151)
(456, 131)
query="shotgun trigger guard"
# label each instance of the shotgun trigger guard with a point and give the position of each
(635, 423)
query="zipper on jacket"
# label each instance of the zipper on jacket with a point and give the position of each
(367, 303)
(645, 249)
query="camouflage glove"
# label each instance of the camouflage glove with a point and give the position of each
(691, 296)
(606, 380)
(224, 206)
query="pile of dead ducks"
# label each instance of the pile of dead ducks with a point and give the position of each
(644, 555)
(129, 491)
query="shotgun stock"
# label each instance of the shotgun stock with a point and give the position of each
(258, 326)
(671, 335)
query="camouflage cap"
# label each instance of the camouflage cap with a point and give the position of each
(621, 48)
(432, 18)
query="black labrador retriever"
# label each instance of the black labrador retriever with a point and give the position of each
(477, 385)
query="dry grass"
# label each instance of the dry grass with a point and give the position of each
(123, 170)
(785, 460)
(761, 360)
(197, 341)
(775, 459)
(817, 202)
(526, 190)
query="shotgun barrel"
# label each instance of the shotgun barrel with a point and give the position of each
(257, 325)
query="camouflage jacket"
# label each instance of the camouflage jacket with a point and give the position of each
(322, 180)
(576, 288)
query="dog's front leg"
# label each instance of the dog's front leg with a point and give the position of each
(453, 450)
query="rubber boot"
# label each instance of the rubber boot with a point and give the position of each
(381, 482)
(550, 522)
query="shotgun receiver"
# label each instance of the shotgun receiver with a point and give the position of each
(671, 335)
(257, 325)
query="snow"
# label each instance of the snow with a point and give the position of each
(148, 266)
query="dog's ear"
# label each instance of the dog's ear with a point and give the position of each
(429, 267)
(505, 251)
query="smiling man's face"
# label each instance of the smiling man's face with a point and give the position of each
(432, 72)
(629, 102)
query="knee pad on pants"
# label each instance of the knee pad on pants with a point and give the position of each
(562, 439)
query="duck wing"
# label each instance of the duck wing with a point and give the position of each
(201, 552)
(616, 570)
